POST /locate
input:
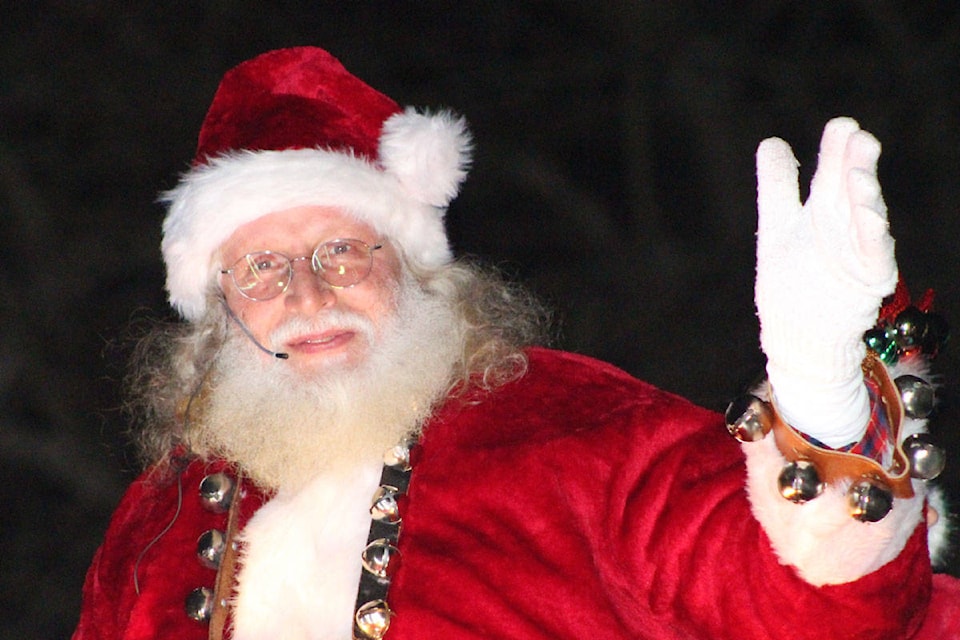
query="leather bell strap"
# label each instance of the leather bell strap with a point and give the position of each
(224, 582)
(372, 589)
(834, 466)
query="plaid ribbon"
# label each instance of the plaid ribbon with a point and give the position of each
(877, 442)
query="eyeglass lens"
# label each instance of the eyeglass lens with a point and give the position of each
(264, 274)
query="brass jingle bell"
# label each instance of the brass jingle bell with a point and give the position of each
(216, 492)
(381, 559)
(373, 619)
(398, 456)
(869, 501)
(917, 395)
(799, 481)
(748, 418)
(927, 460)
(385, 507)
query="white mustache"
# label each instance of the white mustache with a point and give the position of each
(334, 319)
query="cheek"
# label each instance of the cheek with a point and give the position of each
(380, 298)
(376, 303)
(260, 317)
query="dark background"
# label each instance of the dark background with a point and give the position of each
(614, 175)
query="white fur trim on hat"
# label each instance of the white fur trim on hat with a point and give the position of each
(424, 161)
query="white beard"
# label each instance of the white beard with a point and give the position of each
(282, 428)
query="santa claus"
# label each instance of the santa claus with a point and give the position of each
(353, 434)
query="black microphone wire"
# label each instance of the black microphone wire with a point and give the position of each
(249, 334)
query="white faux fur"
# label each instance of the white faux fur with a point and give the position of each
(425, 160)
(819, 538)
(430, 154)
(940, 534)
(301, 561)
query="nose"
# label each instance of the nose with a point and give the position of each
(308, 293)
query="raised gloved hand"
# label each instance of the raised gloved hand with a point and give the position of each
(823, 267)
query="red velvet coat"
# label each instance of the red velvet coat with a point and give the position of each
(576, 502)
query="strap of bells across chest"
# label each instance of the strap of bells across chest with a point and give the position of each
(217, 549)
(380, 558)
(225, 572)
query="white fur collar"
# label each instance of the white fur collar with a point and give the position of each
(301, 560)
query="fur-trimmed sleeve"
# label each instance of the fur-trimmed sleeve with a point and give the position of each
(819, 538)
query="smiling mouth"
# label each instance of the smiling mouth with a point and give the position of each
(326, 340)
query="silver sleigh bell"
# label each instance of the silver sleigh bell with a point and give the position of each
(917, 396)
(799, 481)
(748, 418)
(210, 547)
(199, 604)
(869, 500)
(216, 492)
(927, 460)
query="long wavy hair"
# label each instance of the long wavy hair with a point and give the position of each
(499, 319)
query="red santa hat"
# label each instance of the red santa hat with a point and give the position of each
(291, 128)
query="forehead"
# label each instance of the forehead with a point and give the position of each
(295, 231)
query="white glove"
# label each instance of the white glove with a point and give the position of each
(823, 269)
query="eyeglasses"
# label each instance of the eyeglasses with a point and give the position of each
(341, 263)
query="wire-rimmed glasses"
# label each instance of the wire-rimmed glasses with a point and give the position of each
(341, 263)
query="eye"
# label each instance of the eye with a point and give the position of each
(342, 263)
(335, 252)
(335, 249)
(265, 262)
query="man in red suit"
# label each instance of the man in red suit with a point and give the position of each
(354, 435)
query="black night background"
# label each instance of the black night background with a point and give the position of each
(613, 175)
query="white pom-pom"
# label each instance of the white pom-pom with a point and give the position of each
(428, 153)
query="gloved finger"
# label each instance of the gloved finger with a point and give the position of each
(777, 180)
(863, 190)
(863, 151)
(873, 246)
(829, 176)
(875, 265)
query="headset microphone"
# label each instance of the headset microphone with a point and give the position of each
(276, 354)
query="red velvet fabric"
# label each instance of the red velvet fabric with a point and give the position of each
(294, 98)
(576, 502)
